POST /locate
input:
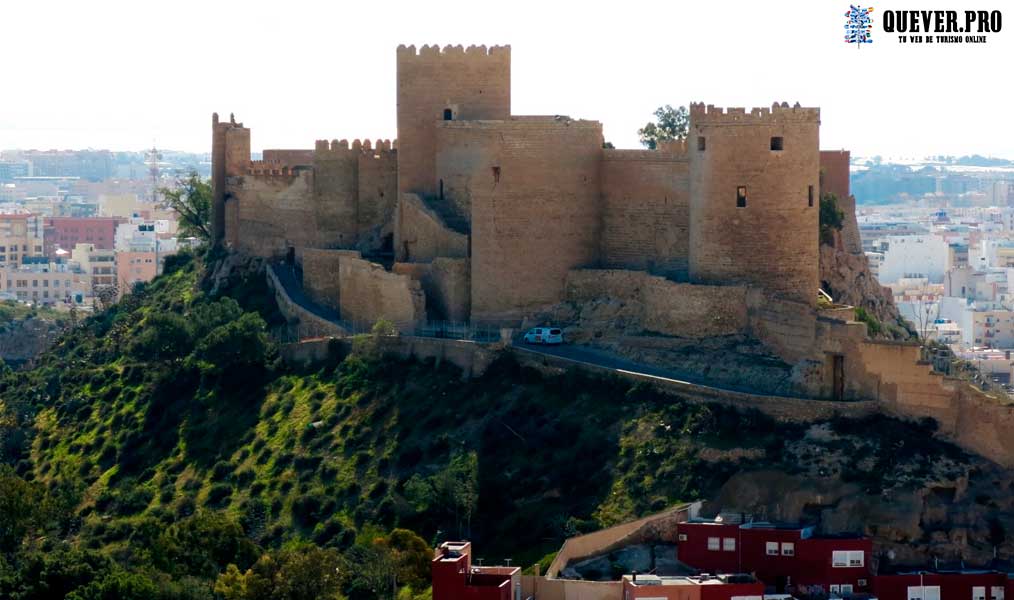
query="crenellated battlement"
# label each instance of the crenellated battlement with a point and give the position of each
(710, 114)
(453, 52)
(262, 168)
(324, 148)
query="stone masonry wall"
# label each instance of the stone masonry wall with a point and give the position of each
(273, 212)
(420, 235)
(645, 196)
(368, 293)
(321, 275)
(473, 83)
(771, 242)
(665, 307)
(535, 211)
(445, 282)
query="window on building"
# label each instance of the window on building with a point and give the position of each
(741, 196)
(682, 537)
(772, 548)
(729, 544)
(846, 589)
(714, 543)
(834, 589)
(847, 558)
(788, 549)
(701, 145)
(997, 592)
(809, 198)
(978, 592)
(777, 143)
(448, 114)
(496, 174)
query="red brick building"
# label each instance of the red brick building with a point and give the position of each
(944, 585)
(782, 556)
(454, 577)
(65, 232)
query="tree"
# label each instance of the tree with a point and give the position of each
(458, 487)
(831, 218)
(411, 555)
(672, 124)
(301, 572)
(191, 199)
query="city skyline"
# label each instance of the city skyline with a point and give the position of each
(309, 72)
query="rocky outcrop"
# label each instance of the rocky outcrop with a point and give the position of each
(845, 275)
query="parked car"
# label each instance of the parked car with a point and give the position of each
(544, 335)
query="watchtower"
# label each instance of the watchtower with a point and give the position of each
(754, 201)
(435, 85)
(230, 157)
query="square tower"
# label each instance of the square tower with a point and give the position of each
(442, 85)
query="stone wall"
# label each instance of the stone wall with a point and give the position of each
(369, 293)
(771, 241)
(646, 212)
(272, 212)
(631, 532)
(288, 158)
(535, 205)
(473, 359)
(662, 306)
(445, 282)
(788, 328)
(320, 275)
(420, 235)
(302, 322)
(472, 83)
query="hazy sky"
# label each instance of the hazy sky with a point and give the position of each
(122, 74)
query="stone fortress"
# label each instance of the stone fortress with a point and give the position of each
(477, 215)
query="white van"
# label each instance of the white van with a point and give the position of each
(544, 335)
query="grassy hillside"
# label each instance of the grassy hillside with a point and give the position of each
(173, 406)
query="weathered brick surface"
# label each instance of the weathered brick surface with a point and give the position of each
(535, 202)
(445, 282)
(474, 83)
(772, 241)
(368, 293)
(321, 275)
(662, 306)
(421, 236)
(646, 211)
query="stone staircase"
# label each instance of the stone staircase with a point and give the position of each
(448, 213)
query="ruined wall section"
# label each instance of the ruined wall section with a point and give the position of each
(771, 242)
(536, 210)
(368, 293)
(661, 306)
(445, 281)
(472, 83)
(645, 195)
(321, 275)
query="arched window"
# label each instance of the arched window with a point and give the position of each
(448, 114)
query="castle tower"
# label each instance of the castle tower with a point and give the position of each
(230, 156)
(754, 201)
(442, 85)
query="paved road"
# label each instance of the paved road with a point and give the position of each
(608, 360)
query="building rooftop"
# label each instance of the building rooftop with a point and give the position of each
(653, 580)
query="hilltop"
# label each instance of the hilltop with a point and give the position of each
(173, 407)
